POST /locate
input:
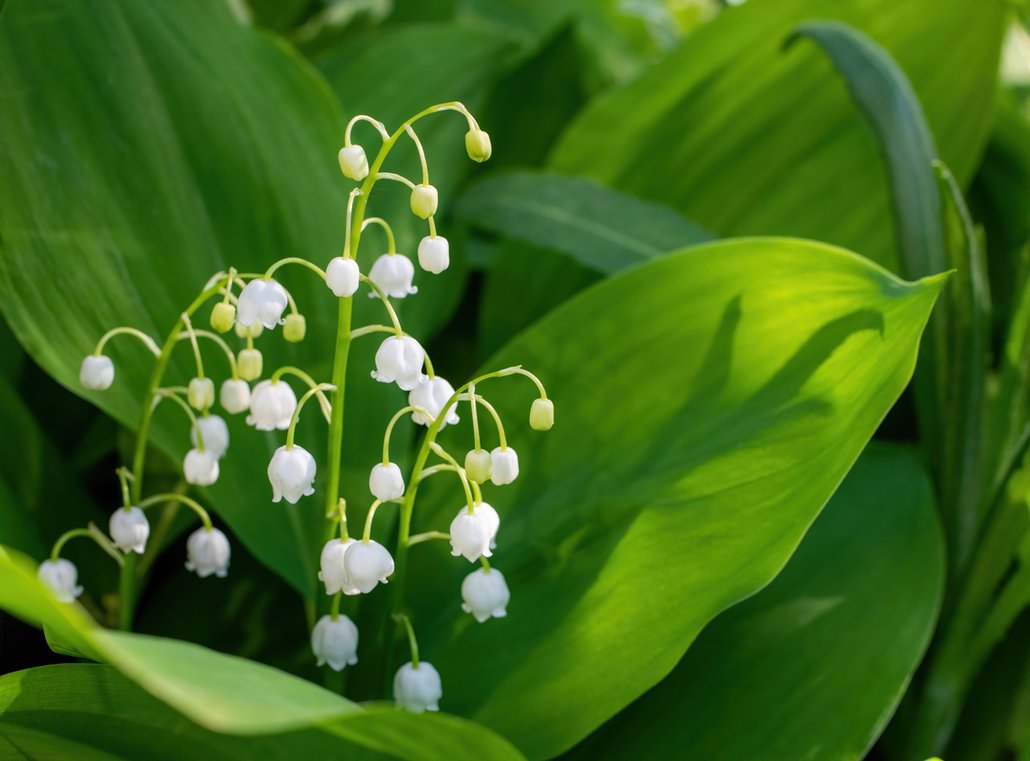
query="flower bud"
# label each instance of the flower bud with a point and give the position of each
(60, 577)
(504, 466)
(434, 254)
(424, 200)
(201, 393)
(271, 406)
(417, 688)
(291, 473)
(332, 572)
(541, 415)
(249, 331)
(129, 530)
(207, 552)
(234, 395)
(472, 533)
(200, 468)
(294, 328)
(215, 434)
(478, 465)
(96, 372)
(399, 360)
(393, 274)
(367, 564)
(353, 162)
(386, 482)
(249, 364)
(342, 276)
(335, 641)
(477, 144)
(261, 301)
(485, 594)
(431, 394)
(223, 315)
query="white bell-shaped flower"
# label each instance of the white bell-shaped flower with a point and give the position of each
(234, 395)
(215, 433)
(332, 571)
(485, 594)
(130, 529)
(201, 393)
(353, 162)
(386, 482)
(272, 404)
(393, 274)
(261, 301)
(342, 276)
(200, 468)
(417, 688)
(335, 641)
(434, 254)
(291, 472)
(431, 394)
(504, 466)
(96, 372)
(60, 577)
(399, 360)
(367, 564)
(207, 552)
(472, 533)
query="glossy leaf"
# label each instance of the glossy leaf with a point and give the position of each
(708, 404)
(842, 628)
(744, 138)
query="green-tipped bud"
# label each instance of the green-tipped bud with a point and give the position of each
(541, 415)
(424, 200)
(251, 331)
(201, 393)
(477, 143)
(223, 316)
(294, 328)
(249, 364)
(478, 465)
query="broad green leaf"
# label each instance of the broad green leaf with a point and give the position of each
(135, 173)
(222, 693)
(745, 138)
(842, 628)
(708, 404)
(603, 229)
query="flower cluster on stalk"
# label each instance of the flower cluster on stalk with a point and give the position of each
(250, 303)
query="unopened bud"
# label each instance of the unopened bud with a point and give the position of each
(201, 393)
(223, 316)
(249, 331)
(478, 465)
(541, 415)
(477, 143)
(424, 200)
(353, 162)
(294, 328)
(249, 364)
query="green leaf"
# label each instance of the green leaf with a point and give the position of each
(863, 588)
(603, 229)
(744, 138)
(708, 404)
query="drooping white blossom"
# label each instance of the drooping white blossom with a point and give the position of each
(332, 571)
(291, 472)
(96, 372)
(271, 405)
(335, 642)
(234, 395)
(200, 468)
(129, 529)
(472, 534)
(214, 432)
(261, 301)
(485, 594)
(353, 162)
(399, 360)
(504, 466)
(417, 688)
(60, 577)
(367, 564)
(434, 254)
(342, 276)
(207, 553)
(431, 394)
(393, 274)
(386, 482)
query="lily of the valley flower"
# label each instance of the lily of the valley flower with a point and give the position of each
(431, 394)
(478, 465)
(335, 641)
(386, 482)
(96, 372)
(200, 468)
(261, 301)
(504, 466)
(234, 395)
(434, 254)
(271, 406)
(393, 274)
(541, 415)
(215, 434)
(367, 564)
(207, 553)
(424, 200)
(223, 315)
(201, 393)
(477, 144)
(472, 534)
(295, 327)
(353, 162)
(60, 577)
(249, 362)
(332, 571)
(485, 594)
(342, 276)
(399, 360)
(130, 529)
(292, 474)
(417, 688)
